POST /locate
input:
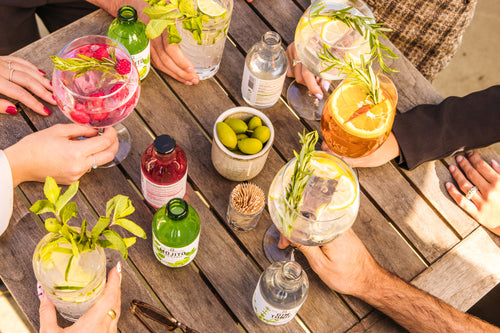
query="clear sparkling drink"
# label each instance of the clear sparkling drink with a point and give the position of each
(280, 292)
(264, 72)
(205, 54)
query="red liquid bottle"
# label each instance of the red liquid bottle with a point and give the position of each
(163, 171)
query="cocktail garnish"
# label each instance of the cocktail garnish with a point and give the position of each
(301, 174)
(82, 64)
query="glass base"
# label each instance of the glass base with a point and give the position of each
(68, 318)
(206, 73)
(125, 144)
(274, 253)
(304, 103)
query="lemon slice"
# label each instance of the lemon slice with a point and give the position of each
(374, 121)
(211, 8)
(326, 168)
(333, 30)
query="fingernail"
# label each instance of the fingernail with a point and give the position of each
(39, 291)
(47, 111)
(470, 154)
(53, 98)
(452, 168)
(50, 83)
(42, 72)
(119, 270)
(460, 158)
(11, 110)
(494, 162)
(326, 85)
(448, 186)
(319, 96)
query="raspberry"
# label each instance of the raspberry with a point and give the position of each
(122, 94)
(85, 50)
(80, 107)
(95, 104)
(80, 117)
(100, 53)
(123, 66)
(99, 116)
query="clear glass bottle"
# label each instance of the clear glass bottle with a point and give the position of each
(163, 171)
(129, 30)
(265, 71)
(176, 233)
(280, 292)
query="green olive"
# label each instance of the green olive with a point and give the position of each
(263, 133)
(238, 125)
(226, 135)
(254, 123)
(241, 136)
(250, 146)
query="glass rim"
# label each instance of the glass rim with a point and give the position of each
(379, 75)
(318, 33)
(117, 44)
(339, 162)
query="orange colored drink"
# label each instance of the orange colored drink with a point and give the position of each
(351, 124)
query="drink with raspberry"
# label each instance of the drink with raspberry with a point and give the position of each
(96, 84)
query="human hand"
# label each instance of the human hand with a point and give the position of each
(484, 204)
(57, 152)
(17, 76)
(344, 264)
(303, 75)
(170, 60)
(386, 152)
(96, 319)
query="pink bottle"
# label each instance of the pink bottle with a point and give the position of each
(163, 171)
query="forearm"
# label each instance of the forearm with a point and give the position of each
(430, 132)
(416, 310)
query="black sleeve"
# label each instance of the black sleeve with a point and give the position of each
(430, 132)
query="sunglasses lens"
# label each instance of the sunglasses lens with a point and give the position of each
(159, 317)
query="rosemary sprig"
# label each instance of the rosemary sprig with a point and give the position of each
(298, 182)
(370, 31)
(83, 64)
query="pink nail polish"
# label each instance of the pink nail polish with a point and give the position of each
(452, 168)
(119, 267)
(42, 72)
(11, 110)
(470, 154)
(448, 185)
(495, 163)
(39, 290)
(460, 158)
(319, 96)
(47, 111)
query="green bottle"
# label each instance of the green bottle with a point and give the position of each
(131, 32)
(176, 233)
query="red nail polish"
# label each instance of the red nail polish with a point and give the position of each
(53, 97)
(50, 83)
(47, 111)
(42, 72)
(11, 110)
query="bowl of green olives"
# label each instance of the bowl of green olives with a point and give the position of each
(242, 139)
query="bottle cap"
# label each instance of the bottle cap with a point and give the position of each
(127, 14)
(164, 144)
(177, 208)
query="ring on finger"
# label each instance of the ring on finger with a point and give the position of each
(94, 166)
(471, 192)
(295, 62)
(11, 73)
(112, 314)
(9, 64)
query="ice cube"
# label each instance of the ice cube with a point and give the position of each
(318, 192)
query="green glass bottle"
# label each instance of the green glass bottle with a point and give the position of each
(176, 233)
(131, 32)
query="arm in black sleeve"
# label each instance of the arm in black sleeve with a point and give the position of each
(430, 132)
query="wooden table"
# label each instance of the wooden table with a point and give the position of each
(407, 220)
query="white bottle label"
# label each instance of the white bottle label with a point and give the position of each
(158, 195)
(269, 314)
(175, 256)
(142, 61)
(258, 92)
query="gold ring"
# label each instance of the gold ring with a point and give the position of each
(112, 314)
(471, 192)
(11, 73)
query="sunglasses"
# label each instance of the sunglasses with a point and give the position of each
(143, 310)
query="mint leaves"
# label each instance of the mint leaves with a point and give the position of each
(117, 209)
(165, 16)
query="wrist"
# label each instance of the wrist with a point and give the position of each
(17, 166)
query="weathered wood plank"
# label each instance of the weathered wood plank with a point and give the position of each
(376, 322)
(464, 274)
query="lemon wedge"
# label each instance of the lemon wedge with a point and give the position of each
(333, 30)
(211, 8)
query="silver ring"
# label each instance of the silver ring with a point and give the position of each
(471, 192)
(9, 64)
(295, 62)
(11, 73)
(95, 164)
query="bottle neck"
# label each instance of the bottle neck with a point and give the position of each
(127, 14)
(271, 41)
(177, 209)
(289, 276)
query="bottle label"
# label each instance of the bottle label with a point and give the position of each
(142, 61)
(258, 92)
(175, 256)
(158, 195)
(268, 313)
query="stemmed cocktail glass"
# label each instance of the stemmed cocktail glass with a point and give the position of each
(97, 84)
(317, 32)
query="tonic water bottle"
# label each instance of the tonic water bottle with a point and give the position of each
(280, 292)
(265, 71)
(163, 171)
(176, 233)
(129, 30)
